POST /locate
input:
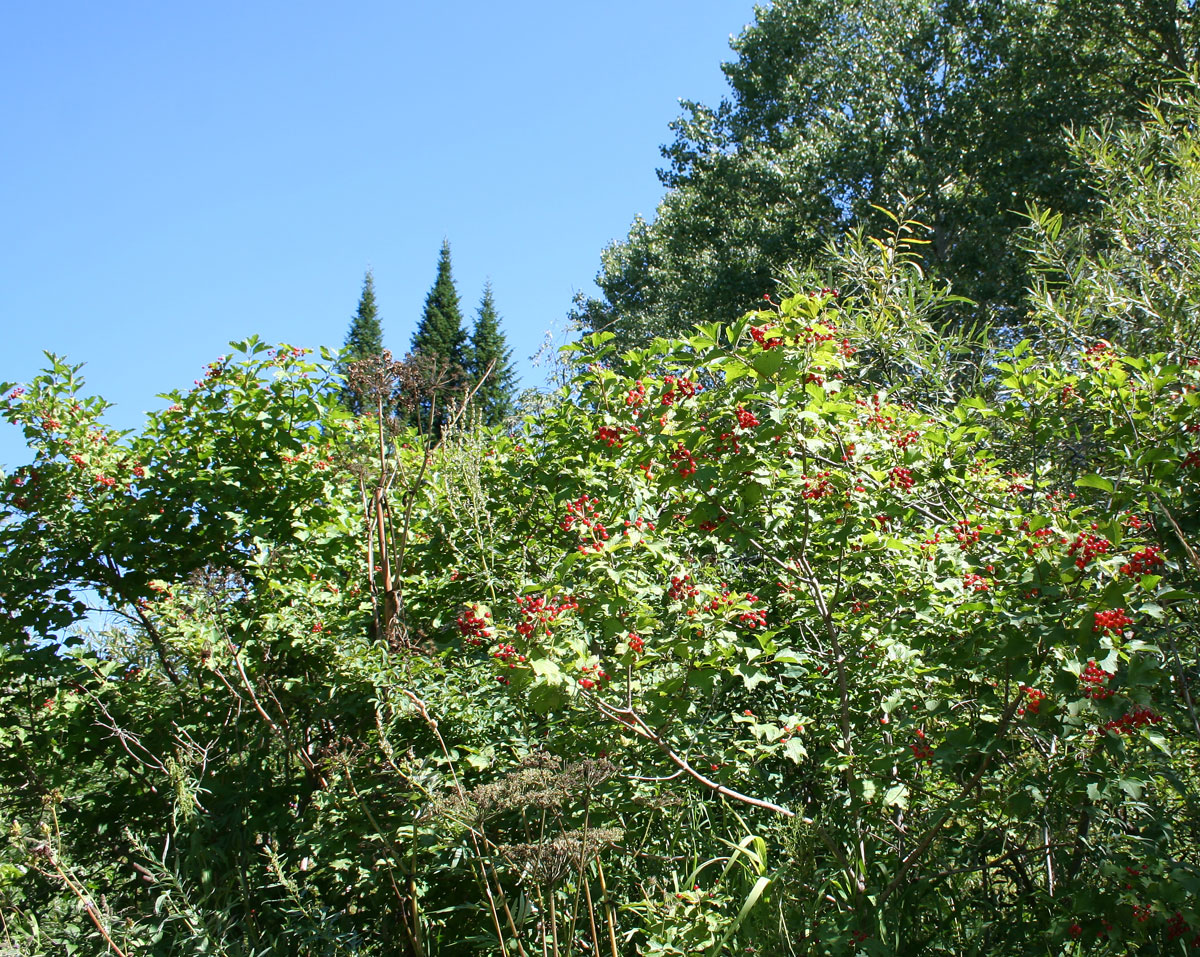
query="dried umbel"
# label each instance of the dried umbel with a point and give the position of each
(374, 379)
(541, 782)
(549, 862)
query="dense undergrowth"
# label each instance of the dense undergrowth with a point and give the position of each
(820, 631)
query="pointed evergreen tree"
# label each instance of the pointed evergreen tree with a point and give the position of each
(495, 397)
(440, 334)
(364, 339)
(440, 342)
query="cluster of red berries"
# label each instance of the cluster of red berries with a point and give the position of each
(682, 587)
(1177, 927)
(811, 333)
(1132, 720)
(106, 480)
(593, 677)
(1033, 701)
(1067, 394)
(636, 397)
(475, 627)
(755, 617)
(920, 748)
(1099, 351)
(816, 487)
(509, 655)
(51, 425)
(901, 479)
(760, 334)
(906, 439)
(139, 472)
(728, 442)
(685, 463)
(1143, 562)
(609, 436)
(78, 460)
(1192, 460)
(1086, 547)
(1114, 620)
(582, 512)
(973, 582)
(684, 387)
(638, 523)
(538, 610)
(636, 643)
(1043, 536)
(746, 419)
(1095, 682)
(966, 534)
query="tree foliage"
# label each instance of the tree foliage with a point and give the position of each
(837, 108)
(491, 356)
(797, 634)
(364, 338)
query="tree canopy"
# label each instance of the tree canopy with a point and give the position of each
(951, 110)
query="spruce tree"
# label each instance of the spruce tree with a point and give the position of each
(364, 339)
(440, 342)
(495, 397)
(440, 334)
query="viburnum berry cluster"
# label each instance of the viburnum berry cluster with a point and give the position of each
(727, 442)
(593, 677)
(507, 654)
(966, 534)
(762, 335)
(1132, 720)
(609, 435)
(755, 617)
(635, 398)
(1033, 701)
(475, 627)
(682, 587)
(920, 748)
(685, 463)
(1094, 680)
(638, 523)
(746, 419)
(540, 612)
(974, 582)
(1113, 620)
(678, 388)
(816, 487)
(1086, 547)
(636, 643)
(901, 479)
(1040, 538)
(1143, 562)
(752, 618)
(905, 439)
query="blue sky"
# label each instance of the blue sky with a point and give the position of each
(179, 175)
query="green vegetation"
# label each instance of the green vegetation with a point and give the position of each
(954, 110)
(839, 626)
(491, 363)
(364, 339)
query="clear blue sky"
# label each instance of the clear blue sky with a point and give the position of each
(177, 175)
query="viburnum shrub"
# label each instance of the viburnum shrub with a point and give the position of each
(801, 660)
(1018, 641)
